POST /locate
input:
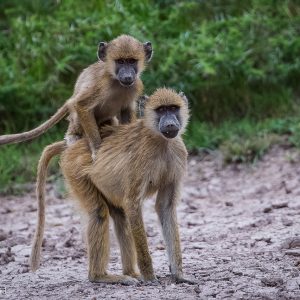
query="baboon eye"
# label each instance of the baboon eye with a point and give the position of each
(173, 108)
(131, 61)
(161, 109)
(120, 61)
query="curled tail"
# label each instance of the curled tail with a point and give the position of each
(48, 153)
(29, 135)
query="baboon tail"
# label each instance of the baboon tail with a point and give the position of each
(50, 151)
(30, 135)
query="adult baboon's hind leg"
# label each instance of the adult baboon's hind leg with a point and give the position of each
(98, 246)
(124, 236)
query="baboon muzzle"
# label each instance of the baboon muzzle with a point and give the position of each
(169, 126)
(126, 76)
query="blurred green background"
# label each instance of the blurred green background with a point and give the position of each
(237, 61)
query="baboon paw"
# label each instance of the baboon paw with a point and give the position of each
(138, 276)
(150, 280)
(129, 281)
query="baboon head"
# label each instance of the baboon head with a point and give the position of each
(166, 113)
(125, 58)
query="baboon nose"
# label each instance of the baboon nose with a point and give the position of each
(171, 127)
(127, 80)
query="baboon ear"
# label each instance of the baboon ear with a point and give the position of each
(148, 51)
(141, 105)
(184, 98)
(102, 47)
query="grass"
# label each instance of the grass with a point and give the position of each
(242, 141)
(18, 162)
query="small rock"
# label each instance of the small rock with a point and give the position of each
(160, 247)
(237, 272)
(267, 209)
(286, 222)
(197, 290)
(228, 203)
(272, 281)
(23, 270)
(293, 252)
(7, 257)
(290, 243)
(266, 239)
(278, 205)
(3, 236)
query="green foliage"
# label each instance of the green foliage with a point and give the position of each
(235, 60)
(244, 141)
(18, 162)
(232, 58)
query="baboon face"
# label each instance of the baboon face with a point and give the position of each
(166, 112)
(126, 70)
(125, 58)
(168, 120)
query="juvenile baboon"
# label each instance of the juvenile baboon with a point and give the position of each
(104, 90)
(134, 162)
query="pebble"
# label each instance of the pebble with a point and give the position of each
(278, 205)
(197, 290)
(293, 252)
(3, 237)
(272, 281)
(286, 222)
(267, 209)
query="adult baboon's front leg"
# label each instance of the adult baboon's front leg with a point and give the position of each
(165, 206)
(140, 240)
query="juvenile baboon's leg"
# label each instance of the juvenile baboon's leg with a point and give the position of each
(165, 207)
(140, 240)
(124, 236)
(75, 131)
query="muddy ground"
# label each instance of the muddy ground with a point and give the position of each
(240, 233)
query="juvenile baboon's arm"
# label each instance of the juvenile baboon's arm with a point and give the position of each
(140, 240)
(165, 206)
(88, 122)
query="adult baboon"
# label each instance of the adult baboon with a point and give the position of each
(134, 162)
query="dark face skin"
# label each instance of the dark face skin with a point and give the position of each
(168, 120)
(126, 71)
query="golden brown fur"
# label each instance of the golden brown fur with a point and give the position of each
(134, 162)
(48, 153)
(98, 97)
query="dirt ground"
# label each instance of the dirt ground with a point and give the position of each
(240, 233)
